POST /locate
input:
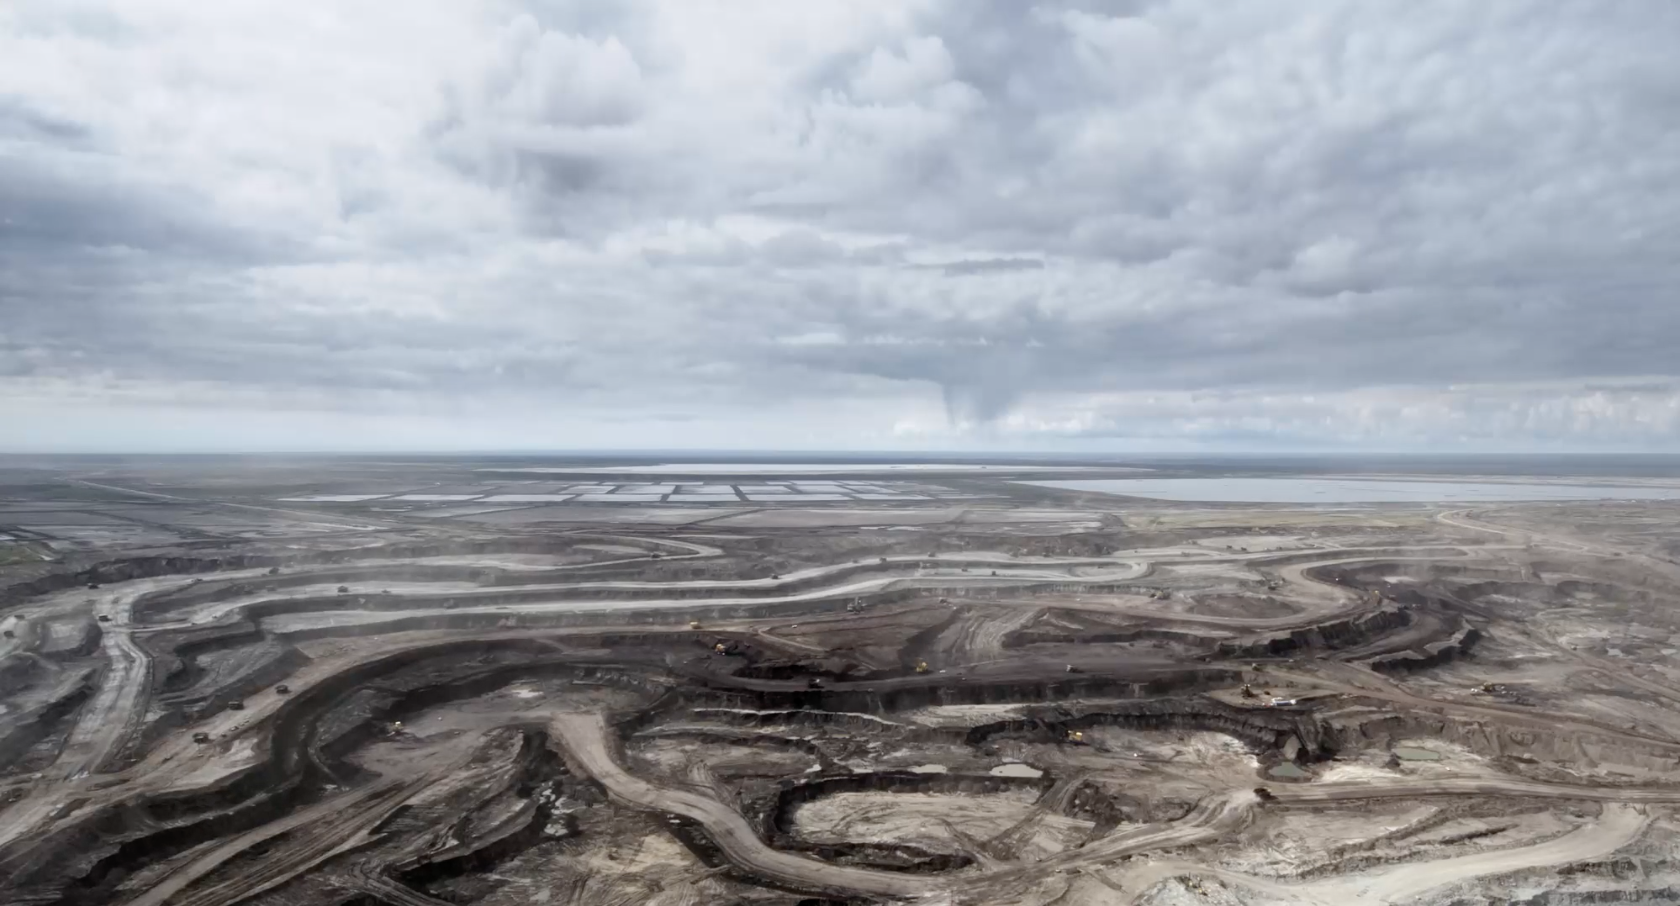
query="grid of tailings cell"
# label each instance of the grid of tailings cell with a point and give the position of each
(759, 492)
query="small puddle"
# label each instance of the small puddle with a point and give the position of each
(1412, 753)
(930, 769)
(1289, 770)
(1017, 770)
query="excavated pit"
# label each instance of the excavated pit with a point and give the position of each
(827, 714)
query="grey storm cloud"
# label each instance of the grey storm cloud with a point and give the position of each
(856, 222)
(990, 266)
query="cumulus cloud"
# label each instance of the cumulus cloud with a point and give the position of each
(840, 223)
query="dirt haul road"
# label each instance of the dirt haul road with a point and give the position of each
(315, 817)
(465, 592)
(1124, 566)
(583, 739)
(1129, 569)
(106, 723)
(1469, 786)
(1619, 826)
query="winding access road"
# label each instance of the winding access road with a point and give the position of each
(584, 739)
(1619, 826)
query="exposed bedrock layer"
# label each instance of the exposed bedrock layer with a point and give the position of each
(1328, 635)
(603, 581)
(1641, 896)
(482, 618)
(1041, 634)
(309, 733)
(774, 816)
(481, 837)
(1265, 729)
(130, 568)
(22, 729)
(1376, 726)
(1391, 628)
(777, 819)
(492, 585)
(834, 584)
(769, 683)
(201, 689)
(70, 638)
(495, 585)
(881, 856)
(1432, 654)
(143, 567)
(174, 651)
(923, 691)
(22, 671)
(105, 844)
(303, 749)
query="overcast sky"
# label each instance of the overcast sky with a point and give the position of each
(451, 224)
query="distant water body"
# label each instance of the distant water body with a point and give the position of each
(1352, 490)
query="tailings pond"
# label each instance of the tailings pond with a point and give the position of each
(1349, 490)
